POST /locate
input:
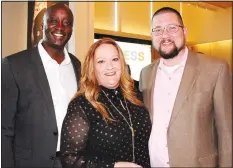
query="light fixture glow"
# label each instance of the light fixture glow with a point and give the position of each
(115, 16)
(181, 8)
(151, 9)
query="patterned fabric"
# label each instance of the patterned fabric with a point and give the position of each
(88, 141)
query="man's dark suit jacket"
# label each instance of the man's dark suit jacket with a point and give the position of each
(29, 129)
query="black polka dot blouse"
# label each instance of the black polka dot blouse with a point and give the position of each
(88, 141)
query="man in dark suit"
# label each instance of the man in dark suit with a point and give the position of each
(37, 85)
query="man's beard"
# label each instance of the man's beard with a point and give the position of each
(175, 51)
(171, 54)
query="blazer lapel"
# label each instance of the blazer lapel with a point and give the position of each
(189, 77)
(151, 88)
(43, 82)
(77, 69)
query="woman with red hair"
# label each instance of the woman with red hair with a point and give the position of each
(107, 124)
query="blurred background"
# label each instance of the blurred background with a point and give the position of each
(209, 25)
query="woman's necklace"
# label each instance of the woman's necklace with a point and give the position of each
(130, 124)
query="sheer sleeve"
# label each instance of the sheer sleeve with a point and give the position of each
(74, 140)
(74, 137)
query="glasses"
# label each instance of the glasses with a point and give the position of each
(171, 29)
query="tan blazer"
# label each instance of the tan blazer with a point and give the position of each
(200, 129)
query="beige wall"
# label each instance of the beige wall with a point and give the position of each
(14, 27)
(203, 25)
(207, 25)
(212, 25)
(83, 30)
(158, 5)
(105, 12)
(135, 17)
(220, 49)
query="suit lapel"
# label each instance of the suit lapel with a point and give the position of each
(151, 88)
(77, 69)
(189, 77)
(43, 82)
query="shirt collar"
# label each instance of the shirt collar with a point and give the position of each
(181, 64)
(46, 57)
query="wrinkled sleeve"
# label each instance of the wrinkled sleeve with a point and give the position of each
(9, 111)
(74, 141)
(223, 115)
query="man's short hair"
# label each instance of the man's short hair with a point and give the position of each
(168, 9)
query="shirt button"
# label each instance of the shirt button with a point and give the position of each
(55, 133)
(52, 157)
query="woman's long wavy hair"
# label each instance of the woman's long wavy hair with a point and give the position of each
(89, 86)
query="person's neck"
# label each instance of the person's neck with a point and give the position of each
(56, 54)
(174, 61)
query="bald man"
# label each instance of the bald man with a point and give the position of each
(37, 85)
